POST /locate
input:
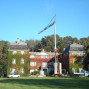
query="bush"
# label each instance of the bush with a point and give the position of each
(51, 72)
(24, 75)
(76, 66)
(35, 73)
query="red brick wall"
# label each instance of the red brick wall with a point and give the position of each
(39, 61)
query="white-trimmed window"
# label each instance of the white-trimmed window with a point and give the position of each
(13, 71)
(14, 61)
(32, 56)
(22, 52)
(44, 64)
(32, 63)
(22, 61)
(14, 52)
(22, 70)
(43, 56)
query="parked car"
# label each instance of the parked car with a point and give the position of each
(13, 76)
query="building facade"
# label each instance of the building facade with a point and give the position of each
(73, 54)
(18, 58)
(42, 62)
(23, 62)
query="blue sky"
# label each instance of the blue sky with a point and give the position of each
(25, 18)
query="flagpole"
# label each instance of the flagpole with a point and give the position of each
(55, 49)
(55, 32)
(55, 37)
(56, 64)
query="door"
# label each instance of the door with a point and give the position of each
(45, 71)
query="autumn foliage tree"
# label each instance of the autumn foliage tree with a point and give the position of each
(3, 55)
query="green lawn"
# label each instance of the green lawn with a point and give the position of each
(44, 83)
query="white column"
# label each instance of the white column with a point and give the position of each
(55, 68)
(41, 71)
(60, 68)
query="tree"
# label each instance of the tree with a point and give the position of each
(48, 43)
(33, 45)
(85, 42)
(3, 55)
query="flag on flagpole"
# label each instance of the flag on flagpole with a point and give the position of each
(49, 25)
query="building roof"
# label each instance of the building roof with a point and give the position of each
(18, 42)
(18, 45)
(74, 47)
(43, 53)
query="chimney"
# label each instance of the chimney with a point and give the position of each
(18, 41)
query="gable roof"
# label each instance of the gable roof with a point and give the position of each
(74, 47)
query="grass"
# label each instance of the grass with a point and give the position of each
(44, 83)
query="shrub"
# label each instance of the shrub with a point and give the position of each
(35, 73)
(76, 66)
(51, 72)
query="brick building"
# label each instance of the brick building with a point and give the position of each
(18, 58)
(22, 62)
(71, 55)
(42, 61)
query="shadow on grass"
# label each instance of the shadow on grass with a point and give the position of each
(51, 83)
